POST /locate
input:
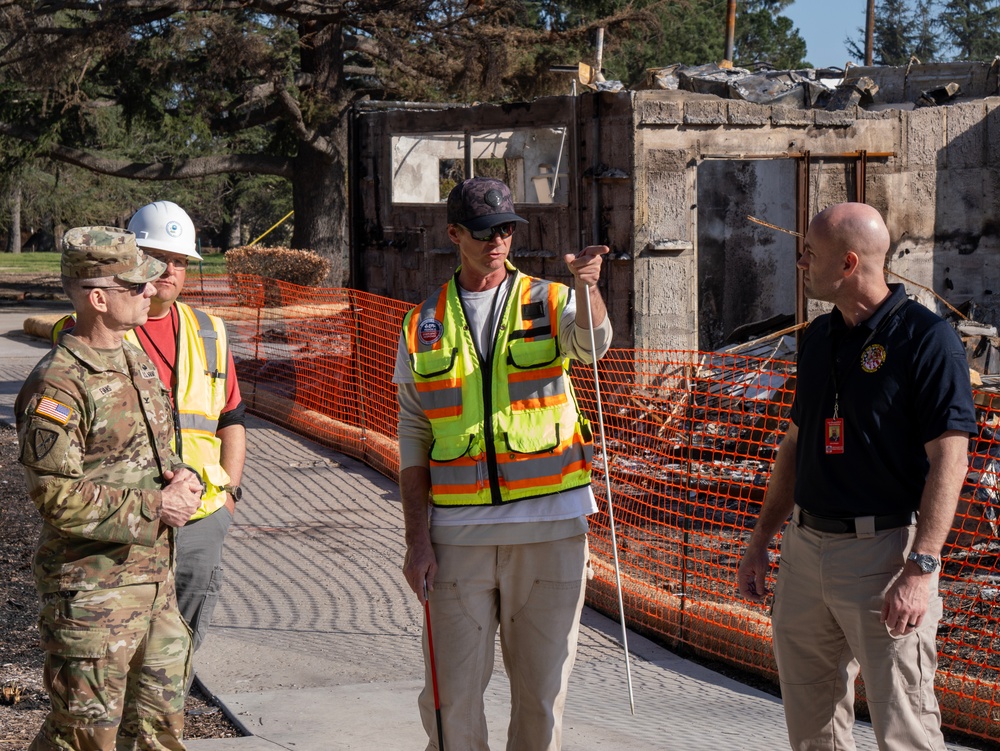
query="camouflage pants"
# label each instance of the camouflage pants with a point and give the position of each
(116, 662)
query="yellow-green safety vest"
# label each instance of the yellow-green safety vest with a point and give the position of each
(509, 428)
(199, 398)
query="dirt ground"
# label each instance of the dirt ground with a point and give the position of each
(23, 702)
(29, 287)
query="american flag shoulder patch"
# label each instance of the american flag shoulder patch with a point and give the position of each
(54, 410)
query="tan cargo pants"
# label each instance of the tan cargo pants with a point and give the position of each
(827, 604)
(534, 594)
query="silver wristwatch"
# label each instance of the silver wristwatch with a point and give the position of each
(928, 563)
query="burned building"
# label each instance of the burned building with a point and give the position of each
(673, 179)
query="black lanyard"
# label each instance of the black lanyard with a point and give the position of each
(833, 364)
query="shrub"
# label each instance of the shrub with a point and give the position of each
(303, 267)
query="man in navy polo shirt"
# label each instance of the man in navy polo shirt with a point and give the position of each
(870, 471)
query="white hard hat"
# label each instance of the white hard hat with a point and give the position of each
(163, 225)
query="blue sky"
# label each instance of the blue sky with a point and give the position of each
(824, 24)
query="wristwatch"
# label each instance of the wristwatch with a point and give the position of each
(928, 563)
(235, 491)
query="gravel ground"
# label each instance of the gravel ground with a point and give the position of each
(23, 702)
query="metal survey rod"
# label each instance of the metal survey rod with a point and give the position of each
(434, 676)
(611, 510)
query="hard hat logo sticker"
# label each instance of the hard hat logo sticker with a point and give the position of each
(174, 229)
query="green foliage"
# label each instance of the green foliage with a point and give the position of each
(260, 201)
(959, 30)
(149, 91)
(657, 33)
(764, 36)
(972, 28)
(926, 43)
(249, 101)
(894, 35)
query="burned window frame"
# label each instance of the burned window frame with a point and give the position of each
(533, 161)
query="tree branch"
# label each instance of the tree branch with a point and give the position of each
(371, 48)
(180, 169)
(307, 135)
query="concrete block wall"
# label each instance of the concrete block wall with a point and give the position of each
(939, 190)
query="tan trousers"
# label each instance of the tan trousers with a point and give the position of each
(825, 619)
(534, 593)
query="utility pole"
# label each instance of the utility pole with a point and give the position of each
(730, 33)
(869, 32)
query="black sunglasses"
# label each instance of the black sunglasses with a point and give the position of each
(503, 231)
(136, 288)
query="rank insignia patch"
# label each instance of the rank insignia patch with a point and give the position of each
(872, 358)
(54, 410)
(43, 442)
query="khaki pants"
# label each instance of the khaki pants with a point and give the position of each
(827, 604)
(116, 661)
(534, 593)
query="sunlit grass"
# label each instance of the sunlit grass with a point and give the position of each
(43, 264)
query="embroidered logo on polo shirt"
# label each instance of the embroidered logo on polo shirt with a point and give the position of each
(430, 331)
(872, 358)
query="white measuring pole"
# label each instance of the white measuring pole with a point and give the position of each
(611, 510)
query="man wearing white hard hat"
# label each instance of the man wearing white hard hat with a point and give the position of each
(190, 350)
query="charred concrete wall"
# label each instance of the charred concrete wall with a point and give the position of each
(933, 172)
(400, 247)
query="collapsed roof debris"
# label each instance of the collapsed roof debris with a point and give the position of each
(915, 85)
(787, 88)
(939, 95)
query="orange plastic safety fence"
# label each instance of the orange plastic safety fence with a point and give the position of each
(315, 359)
(690, 438)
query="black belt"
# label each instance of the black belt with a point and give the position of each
(830, 524)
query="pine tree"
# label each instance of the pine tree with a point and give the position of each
(972, 28)
(901, 31)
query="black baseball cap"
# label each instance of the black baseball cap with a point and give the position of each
(480, 203)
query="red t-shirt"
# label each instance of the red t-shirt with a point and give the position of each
(163, 352)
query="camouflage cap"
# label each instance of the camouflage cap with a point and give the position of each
(481, 202)
(91, 252)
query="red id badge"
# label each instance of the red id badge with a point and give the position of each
(834, 435)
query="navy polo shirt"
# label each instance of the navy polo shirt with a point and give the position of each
(906, 386)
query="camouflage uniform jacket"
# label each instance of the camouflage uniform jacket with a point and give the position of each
(95, 442)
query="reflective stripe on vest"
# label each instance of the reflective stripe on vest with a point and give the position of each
(200, 397)
(536, 442)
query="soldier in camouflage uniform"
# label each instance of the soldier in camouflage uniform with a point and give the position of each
(96, 439)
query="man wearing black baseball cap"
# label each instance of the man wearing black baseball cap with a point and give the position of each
(495, 472)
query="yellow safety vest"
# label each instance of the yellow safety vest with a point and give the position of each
(507, 429)
(200, 397)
